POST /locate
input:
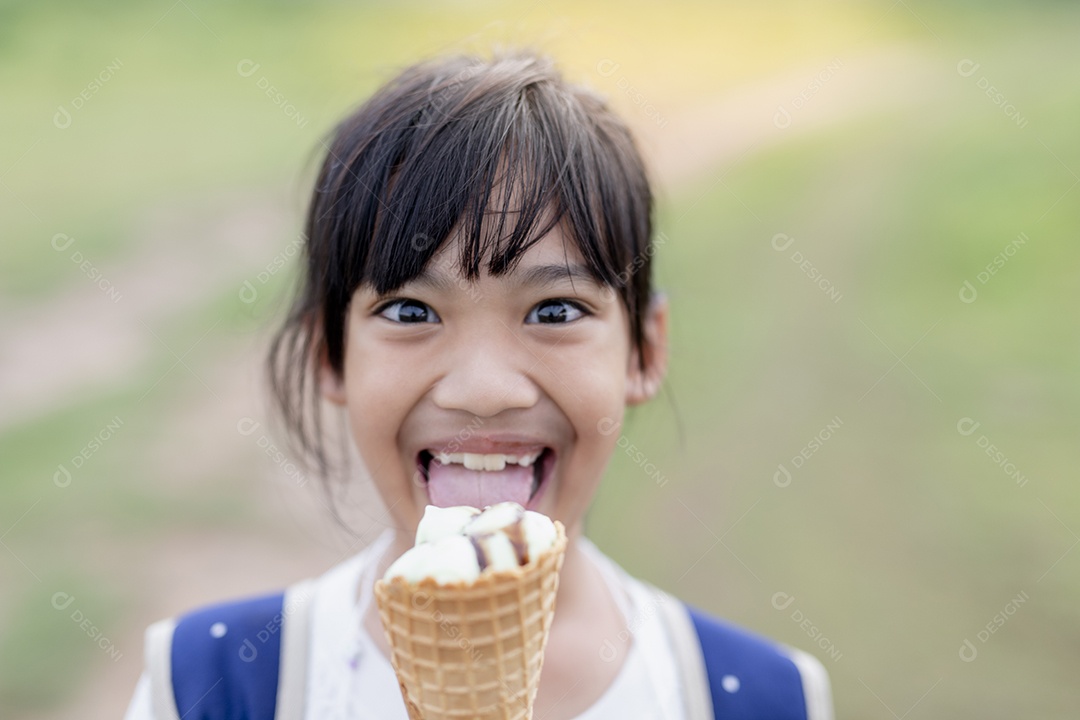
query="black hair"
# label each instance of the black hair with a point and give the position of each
(432, 152)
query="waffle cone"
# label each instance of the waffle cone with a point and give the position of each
(472, 650)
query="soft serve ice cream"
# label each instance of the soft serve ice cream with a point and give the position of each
(457, 544)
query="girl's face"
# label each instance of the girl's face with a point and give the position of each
(534, 361)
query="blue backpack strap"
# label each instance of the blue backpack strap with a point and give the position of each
(750, 677)
(224, 660)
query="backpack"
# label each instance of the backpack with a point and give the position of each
(247, 660)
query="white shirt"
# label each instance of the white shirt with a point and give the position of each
(350, 679)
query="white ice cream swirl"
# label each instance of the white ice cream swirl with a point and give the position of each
(456, 544)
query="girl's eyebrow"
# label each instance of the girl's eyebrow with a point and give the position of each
(546, 275)
(531, 276)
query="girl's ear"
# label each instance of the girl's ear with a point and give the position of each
(642, 385)
(330, 385)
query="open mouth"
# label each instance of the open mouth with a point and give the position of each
(482, 480)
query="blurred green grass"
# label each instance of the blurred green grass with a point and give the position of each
(899, 538)
(176, 114)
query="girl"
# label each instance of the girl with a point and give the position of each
(477, 280)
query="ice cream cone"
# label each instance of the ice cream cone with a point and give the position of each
(472, 650)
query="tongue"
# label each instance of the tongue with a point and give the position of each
(454, 484)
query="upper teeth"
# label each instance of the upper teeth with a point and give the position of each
(480, 461)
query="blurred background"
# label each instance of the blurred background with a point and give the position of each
(869, 213)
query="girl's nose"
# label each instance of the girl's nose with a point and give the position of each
(488, 375)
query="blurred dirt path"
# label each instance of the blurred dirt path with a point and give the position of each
(699, 140)
(190, 258)
(91, 337)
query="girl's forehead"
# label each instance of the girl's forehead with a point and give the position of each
(553, 257)
(555, 245)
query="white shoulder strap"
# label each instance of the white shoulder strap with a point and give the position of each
(159, 666)
(295, 646)
(687, 650)
(815, 682)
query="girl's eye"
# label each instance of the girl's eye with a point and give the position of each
(408, 311)
(556, 311)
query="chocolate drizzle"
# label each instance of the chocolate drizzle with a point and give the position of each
(481, 553)
(516, 534)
